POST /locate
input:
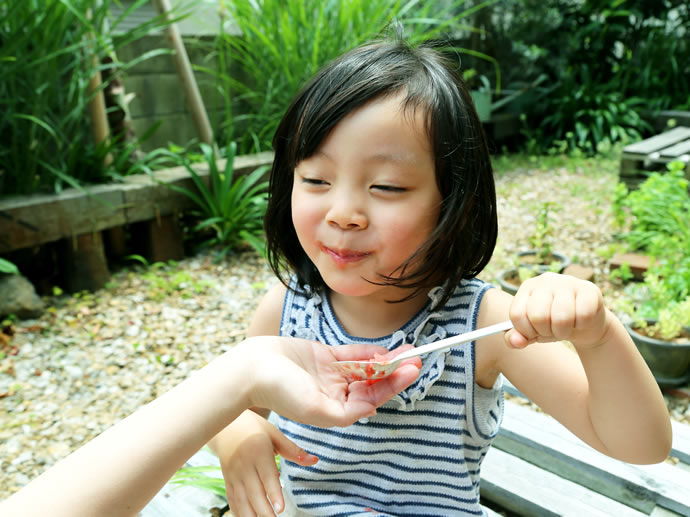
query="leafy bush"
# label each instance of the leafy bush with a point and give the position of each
(285, 42)
(658, 214)
(608, 62)
(232, 209)
(47, 51)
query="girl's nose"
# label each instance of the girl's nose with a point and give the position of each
(346, 214)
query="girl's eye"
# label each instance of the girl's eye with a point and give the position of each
(313, 181)
(389, 188)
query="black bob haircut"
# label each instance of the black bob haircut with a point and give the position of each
(465, 235)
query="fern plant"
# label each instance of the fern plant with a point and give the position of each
(232, 209)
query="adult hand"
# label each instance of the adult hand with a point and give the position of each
(293, 378)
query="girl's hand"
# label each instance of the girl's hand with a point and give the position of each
(293, 378)
(249, 467)
(552, 307)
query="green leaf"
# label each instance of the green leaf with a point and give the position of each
(6, 267)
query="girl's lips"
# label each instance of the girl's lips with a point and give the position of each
(344, 256)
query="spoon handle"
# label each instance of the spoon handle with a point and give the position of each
(456, 340)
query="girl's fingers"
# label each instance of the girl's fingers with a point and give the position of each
(523, 331)
(380, 392)
(539, 307)
(256, 493)
(240, 504)
(563, 315)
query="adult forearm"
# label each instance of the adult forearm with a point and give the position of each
(122, 469)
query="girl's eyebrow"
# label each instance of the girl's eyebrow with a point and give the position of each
(401, 158)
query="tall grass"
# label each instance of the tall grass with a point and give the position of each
(284, 42)
(46, 62)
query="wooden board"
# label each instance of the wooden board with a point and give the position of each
(652, 154)
(541, 440)
(27, 221)
(527, 489)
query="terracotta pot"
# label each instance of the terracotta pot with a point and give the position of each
(668, 361)
(524, 261)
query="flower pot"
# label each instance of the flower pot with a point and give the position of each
(668, 361)
(557, 262)
(506, 283)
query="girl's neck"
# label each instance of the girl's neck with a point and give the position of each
(374, 317)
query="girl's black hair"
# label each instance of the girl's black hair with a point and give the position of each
(464, 238)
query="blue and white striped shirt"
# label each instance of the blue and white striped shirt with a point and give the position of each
(420, 455)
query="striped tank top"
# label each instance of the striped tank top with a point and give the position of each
(420, 454)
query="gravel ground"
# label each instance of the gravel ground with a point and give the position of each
(91, 360)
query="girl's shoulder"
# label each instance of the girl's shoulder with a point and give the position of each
(266, 319)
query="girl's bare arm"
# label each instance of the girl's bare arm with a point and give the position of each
(601, 388)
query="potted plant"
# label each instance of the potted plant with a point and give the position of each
(660, 328)
(657, 311)
(540, 258)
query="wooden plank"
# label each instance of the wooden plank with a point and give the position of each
(657, 142)
(678, 151)
(150, 199)
(680, 447)
(527, 489)
(32, 220)
(543, 441)
(681, 442)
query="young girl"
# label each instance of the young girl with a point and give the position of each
(383, 211)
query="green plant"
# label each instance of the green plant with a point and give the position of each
(652, 309)
(207, 478)
(601, 59)
(623, 273)
(232, 209)
(49, 52)
(6, 267)
(285, 42)
(657, 213)
(540, 240)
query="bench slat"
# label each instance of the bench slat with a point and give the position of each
(677, 150)
(527, 489)
(657, 142)
(543, 441)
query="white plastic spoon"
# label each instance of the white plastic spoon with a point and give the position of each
(376, 369)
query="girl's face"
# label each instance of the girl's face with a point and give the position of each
(367, 199)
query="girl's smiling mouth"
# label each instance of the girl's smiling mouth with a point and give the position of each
(342, 257)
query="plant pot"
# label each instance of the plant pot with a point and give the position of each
(668, 361)
(528, 259)
(504, 280)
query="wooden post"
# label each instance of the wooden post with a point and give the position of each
(84, 262)
(184, 70)
(99, 119)
(159, 240)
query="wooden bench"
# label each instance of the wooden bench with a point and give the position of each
(653, 153)
(535, 468)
